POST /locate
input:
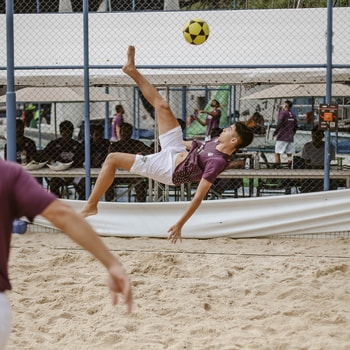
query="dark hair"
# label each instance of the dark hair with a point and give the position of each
(215, 132)
(66, 125)
(19, 122)
(97, 127)
(245, 134)
(216, 102)
(126, 131)
(182, 124)
(316, 131)
(118, 108)
(289, 103)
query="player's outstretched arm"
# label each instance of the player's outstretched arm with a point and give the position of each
(175, 230)
(66, 219)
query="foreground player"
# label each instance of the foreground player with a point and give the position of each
(174, 164)
(21, 195)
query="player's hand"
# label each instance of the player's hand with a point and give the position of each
(174, 234)
(119, 282)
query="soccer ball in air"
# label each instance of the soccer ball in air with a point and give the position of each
(196, 31)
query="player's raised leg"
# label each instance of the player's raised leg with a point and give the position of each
(166, 118)
(105, 179)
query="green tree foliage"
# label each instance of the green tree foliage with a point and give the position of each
(257, 4)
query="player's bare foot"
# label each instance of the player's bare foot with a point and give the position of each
(88, 210)
(129, 67)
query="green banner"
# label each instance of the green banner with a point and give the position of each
(222, 95)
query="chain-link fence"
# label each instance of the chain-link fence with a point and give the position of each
(258, 55)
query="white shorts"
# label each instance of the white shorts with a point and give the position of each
(160, 166)
(5, 320)
(282, 147)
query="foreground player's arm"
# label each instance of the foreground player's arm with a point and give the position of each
(202, 190)
(79, 230)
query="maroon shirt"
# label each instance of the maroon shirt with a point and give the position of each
(20, 195)
(203, 161)
(286, 127)
(212, 122)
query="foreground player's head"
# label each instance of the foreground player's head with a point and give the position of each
(245, 135)
(237, 135)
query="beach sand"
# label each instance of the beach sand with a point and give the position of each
(267, 293)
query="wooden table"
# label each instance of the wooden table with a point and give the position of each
(76, 172)
(293, 174)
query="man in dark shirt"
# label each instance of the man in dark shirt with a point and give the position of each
(64, 150)
(128, 145)
(98, 153)
(25, 147)
(174, 164)
(286, 128)
(21, 196)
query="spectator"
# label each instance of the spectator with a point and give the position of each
(285, 130)
(25, 147)
(117, 122)
(312, 156)
(128, 145)
(21, 196)
(256, 123)
(98, 153)
(193, 117)
(64, 150)
(212, 120)
(313, 151)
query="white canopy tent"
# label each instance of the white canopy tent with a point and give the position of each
(61, 99)
(299, 90)
(60, 94)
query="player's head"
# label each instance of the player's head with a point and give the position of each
(288, 105)
(97, 131)
(119, 109)
(19, 127)
(66, 129)
(245, 134)
(317, 135)
(215, 104)
(126, 130)
(238, 134)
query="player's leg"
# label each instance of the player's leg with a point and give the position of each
(105, 178)
(165, 117)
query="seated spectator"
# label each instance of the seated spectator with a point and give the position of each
(64, 150)
(313, 155)
(25, 147)
(128, 145)
(256, 123)
(98, 153)
(313, 151)
(221, 185)
(192, 117)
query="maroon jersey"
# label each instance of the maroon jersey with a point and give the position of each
(203, 161)
(21, 195)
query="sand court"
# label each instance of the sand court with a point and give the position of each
(222, 293)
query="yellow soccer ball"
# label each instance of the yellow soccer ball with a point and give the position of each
(196, 31)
